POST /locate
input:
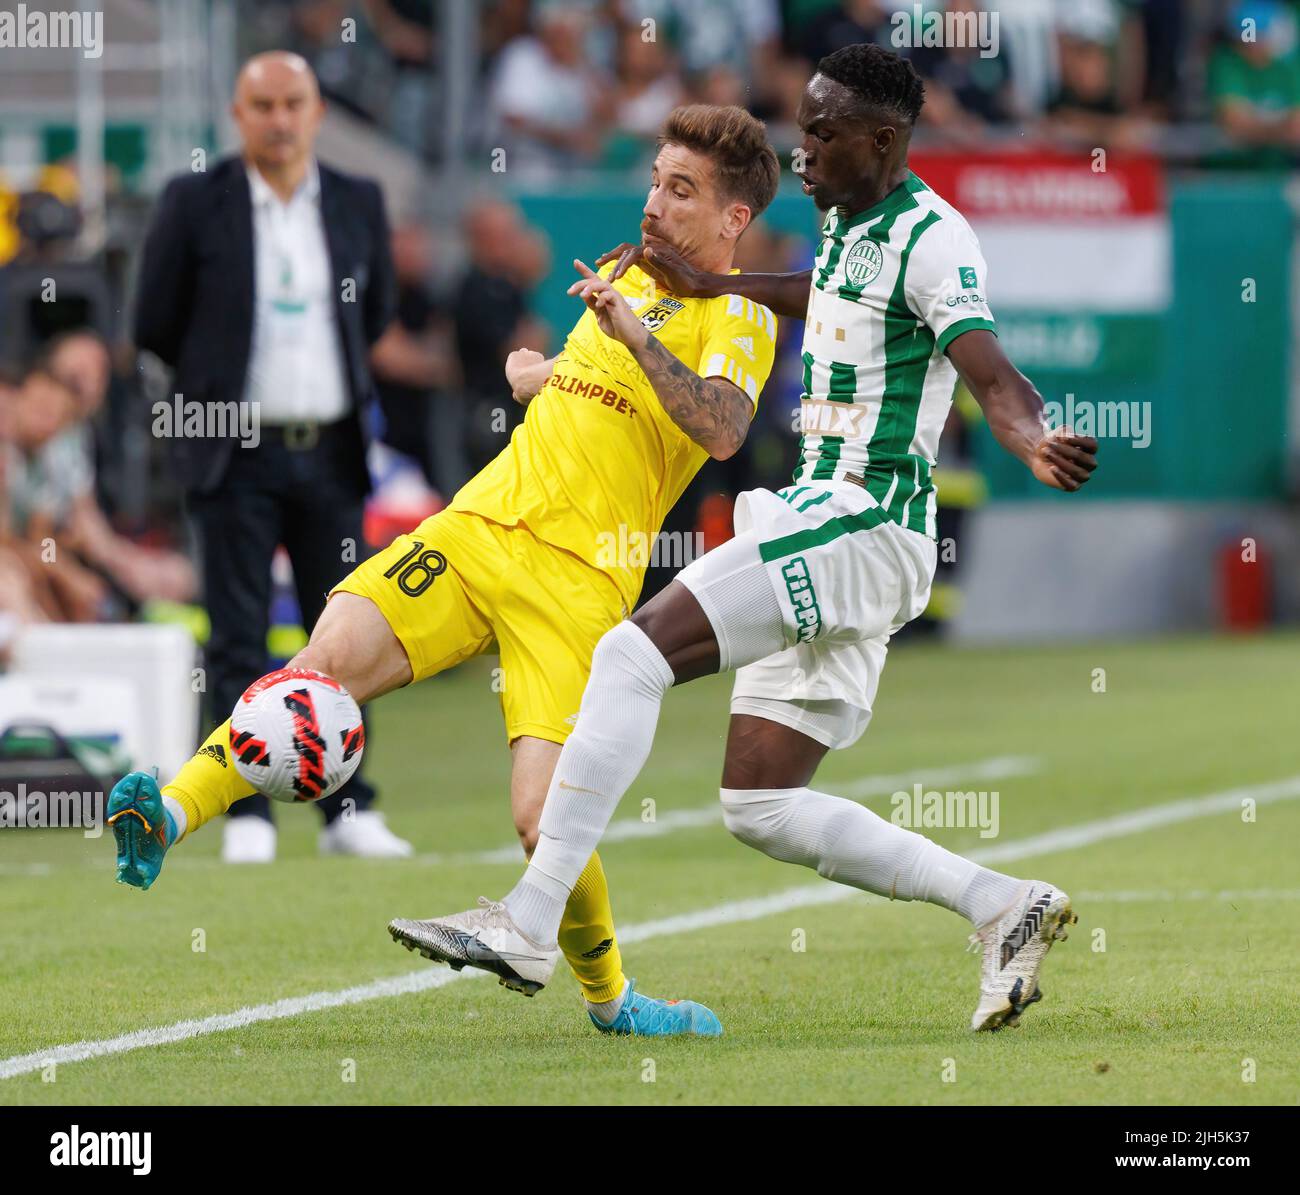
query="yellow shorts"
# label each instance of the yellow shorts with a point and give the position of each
(459, 581)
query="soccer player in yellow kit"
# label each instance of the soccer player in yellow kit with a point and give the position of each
(532, 551)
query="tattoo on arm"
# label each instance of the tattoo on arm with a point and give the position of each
(713, 412)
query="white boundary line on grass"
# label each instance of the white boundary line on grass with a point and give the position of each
(1067, 838)
(997, 767)
(1170, 896)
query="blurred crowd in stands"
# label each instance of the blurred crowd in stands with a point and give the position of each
(61, 558)
(574, 84)
(568, 86)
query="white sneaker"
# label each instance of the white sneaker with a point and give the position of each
(247, 840)
(487, 938)
(363, 834)
(1015, 943)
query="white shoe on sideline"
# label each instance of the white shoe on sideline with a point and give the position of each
(247, 840)
(365, 835)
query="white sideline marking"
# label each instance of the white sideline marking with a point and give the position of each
(1166, 895)
(1067, 838)
(1123, 824)
(399, 985)
(999, 767)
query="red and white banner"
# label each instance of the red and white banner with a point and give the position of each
(1060, 235)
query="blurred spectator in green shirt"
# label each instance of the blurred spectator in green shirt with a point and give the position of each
(1255, 83)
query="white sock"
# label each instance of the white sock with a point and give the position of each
(607, 1010)
(604, 754)
(846, 842)
(177, 810)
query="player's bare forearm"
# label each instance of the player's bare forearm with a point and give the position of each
(713, 412)
(785, 294)
(1014, 411)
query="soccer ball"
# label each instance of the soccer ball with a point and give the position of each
(296, 735)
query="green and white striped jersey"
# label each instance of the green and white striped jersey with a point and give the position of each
(892, 287)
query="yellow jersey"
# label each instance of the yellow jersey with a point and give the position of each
(598, 463)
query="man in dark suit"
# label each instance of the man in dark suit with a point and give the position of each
(264, 282)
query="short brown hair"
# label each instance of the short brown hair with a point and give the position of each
(744, 164)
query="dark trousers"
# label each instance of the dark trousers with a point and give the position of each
(310, 500)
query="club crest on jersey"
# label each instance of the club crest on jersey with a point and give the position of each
(663, 310)
(863, 262)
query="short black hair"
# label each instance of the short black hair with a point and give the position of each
(879, 78)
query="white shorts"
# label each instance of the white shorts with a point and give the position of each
(803, 602)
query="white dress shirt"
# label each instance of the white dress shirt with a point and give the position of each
(296, 369)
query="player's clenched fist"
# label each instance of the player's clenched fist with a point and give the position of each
(521, 372)
(1064, 460)
(613, 316)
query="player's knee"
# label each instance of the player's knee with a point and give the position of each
(749, 815)
(625, 654)
(319, 658)
(353, 643)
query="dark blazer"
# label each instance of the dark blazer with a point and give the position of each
(194, 301)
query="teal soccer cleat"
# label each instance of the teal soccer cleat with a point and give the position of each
(646, 1016)
(142, 827)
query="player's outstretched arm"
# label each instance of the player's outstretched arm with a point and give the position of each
(1014, 410)
(527, 371)
(786, 294)
(714, 412)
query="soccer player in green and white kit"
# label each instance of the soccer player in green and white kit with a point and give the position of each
(802, 602)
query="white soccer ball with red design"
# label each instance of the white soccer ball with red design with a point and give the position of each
(296, 735)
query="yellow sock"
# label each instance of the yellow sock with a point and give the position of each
(587, 936)
(209, 784)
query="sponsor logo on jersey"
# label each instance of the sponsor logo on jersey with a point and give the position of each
(960, 300)
(863, 262)
(745, 344)
(967, 276)
(818, 417)
(568, 384)
(803, 597)
(215, 751)
(662, 311)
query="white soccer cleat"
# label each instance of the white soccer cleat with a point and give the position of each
(1015, 943)
(247, 840)
(365, 835)
(487, 938)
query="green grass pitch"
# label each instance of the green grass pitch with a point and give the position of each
(1177, 985)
